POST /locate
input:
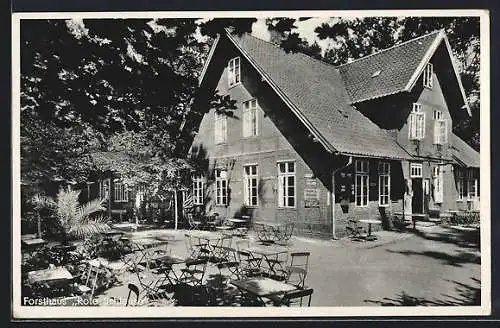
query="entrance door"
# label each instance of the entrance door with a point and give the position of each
(417, 201)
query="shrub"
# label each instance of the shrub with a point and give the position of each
(465, 218)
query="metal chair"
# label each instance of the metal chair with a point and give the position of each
(212, 221)
(132, 288)
(194, 272)
(354, 230)
(249, 263)
(90, 277)
(297, 270)
(194, 224)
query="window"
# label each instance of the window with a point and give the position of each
(384, 183)
(250, 185)
(220, 128)
(440, 128)
(437, 176)
(461, 186)
(361, 183)
(121, 193)
(415, 170)
(472, 185)
(104, 189)
(428, 76)
(250, 118)
(234, 73)
(417, 122)
(198, 190)
(220, 187)
(286, 184)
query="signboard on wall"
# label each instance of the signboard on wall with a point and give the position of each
(311, 197)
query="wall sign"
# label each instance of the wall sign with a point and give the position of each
(311, 197)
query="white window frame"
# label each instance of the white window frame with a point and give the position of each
(416, 125)
(428, 75)
(251, 197)
(437, 175)
(220, 187)
(416, 170)
(384, 183)
(285, 200)
(250, 118)
(104, 188)
(362, 171)
(440, 128)
(234, 71)
(120, 192)
(220, 128)
(198, 190)
(472, 184)
(462, 185)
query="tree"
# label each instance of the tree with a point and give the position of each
(74, 220)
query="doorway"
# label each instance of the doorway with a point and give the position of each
(417, 201)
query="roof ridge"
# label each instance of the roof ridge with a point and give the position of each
(293, 52)
(390, 48)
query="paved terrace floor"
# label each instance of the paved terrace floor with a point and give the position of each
(433, 266)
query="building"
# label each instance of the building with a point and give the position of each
(317, 144)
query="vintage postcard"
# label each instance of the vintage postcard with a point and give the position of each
(251, 164)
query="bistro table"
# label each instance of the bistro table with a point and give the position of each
(210, 241)
(370, 222)
(49, 275)
(166, 267)
(262, 287)
(269, 232)
(271, 256)
(34, 242)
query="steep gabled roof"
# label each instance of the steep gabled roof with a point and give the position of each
(395, 69)
(463, 154)
(396, 66)
(316, 93)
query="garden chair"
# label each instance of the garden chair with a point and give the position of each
(132, 288)
(294, 297)
(285, 233)
(228, 270)
(354, 230)
(220, 252)
(194, 272)
(212, 221)
(297, 270)
(194, 249)
(194, 223)
(91, 278)
(249, 263)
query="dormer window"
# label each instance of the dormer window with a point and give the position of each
(234, 74)
(428, 76)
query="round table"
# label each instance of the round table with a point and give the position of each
(370, 222)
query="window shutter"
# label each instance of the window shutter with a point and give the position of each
(436, 132)
(413, 126)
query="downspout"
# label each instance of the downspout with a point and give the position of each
(349, 162)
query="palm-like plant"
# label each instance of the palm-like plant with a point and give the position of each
(75, 220)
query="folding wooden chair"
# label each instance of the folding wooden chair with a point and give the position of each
(194, 223)
(249, 263)
(297, 270)
(193, 273)
(220, 251)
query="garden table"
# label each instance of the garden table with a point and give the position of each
(209, 241)
(49, 275)
(271, 256)
(262, 287)
(166, 267)
(370, 222)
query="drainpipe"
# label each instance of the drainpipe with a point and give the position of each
(349, 162)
